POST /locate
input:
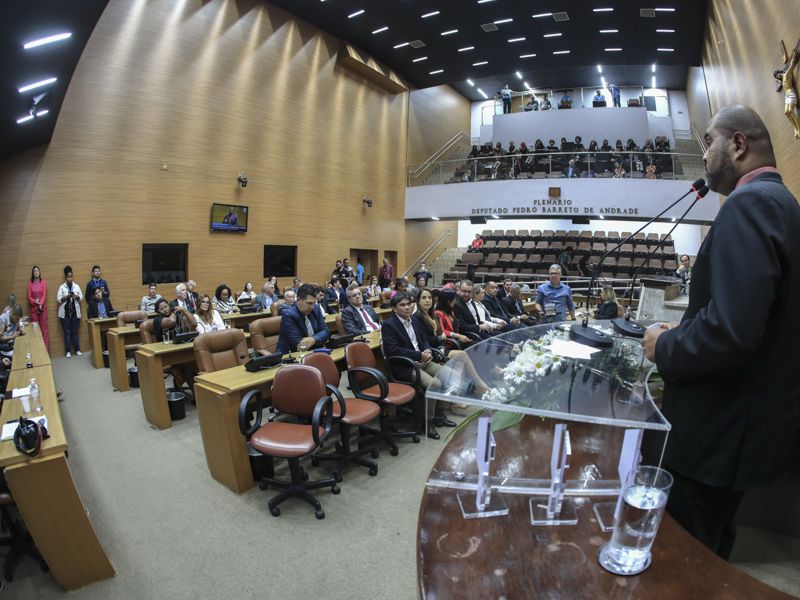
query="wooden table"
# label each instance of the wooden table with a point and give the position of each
(117, 337)
(241, 319)
(218, 396)
(33, 343)
(45, 493)
(506, 557)
(97, 327)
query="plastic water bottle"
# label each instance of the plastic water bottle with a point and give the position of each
(36, 403)
(28, 360)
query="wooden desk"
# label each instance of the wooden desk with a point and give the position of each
(151, 360)
(97, 327)
(30, 342)
(117, 337)
(218, 396)
(45, 493)
(474, 559)
(239, 320)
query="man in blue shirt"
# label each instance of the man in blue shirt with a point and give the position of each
(97, 282)
(359, 271)
(566, 101)
(598, 97)
(554, 298)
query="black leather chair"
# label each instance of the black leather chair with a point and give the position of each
(19, 541)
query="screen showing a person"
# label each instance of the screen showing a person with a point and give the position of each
(227, 217)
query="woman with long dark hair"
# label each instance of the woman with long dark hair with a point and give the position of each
(37, 301)
(207, 318)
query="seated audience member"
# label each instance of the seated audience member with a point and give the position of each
(207, 319)
(9, 327)
(289, 299)
(631, 146)
(267, 296)
(503, 291)
(193, 296)
(302, 323)
(97, 282)
(448, 324)
(402, 337)
(496, 309)
(182, 298)
(358, 317)
(609, 308)
(336, 294)
(423, 272)
(184, 319)
(579, 147)
(532, 104)
(467, 313)
(545, 103)
(69, 298)
(11, 300)
(554, 298)
(400, 285)
(422, 284)
(474, 153)
(551, 146)
(5, 370)
(322, 305)
(566, 101)
(99, 305)
(598, 97)
(513, 305)
(248, 295)
(606, 147)
(564, 259)
(148, 303)
(224, 297)
(497, 325)
(296, 283)
(684, 273)
(373, 290)
(476, 244)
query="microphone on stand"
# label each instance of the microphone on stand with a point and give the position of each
(589, 335)
(625, 325)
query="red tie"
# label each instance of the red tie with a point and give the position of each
(368, 320)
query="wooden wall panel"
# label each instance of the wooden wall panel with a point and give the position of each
(421, 234)
(740, 53)
(435, 115)
(209, 88)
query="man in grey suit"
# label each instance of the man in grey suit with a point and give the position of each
(359, 317)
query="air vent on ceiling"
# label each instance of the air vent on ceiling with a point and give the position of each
(647, 12)
(417, 44)
(560, 16)
(487, 27)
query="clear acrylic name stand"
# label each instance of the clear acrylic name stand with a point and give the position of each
(554, 509)
(482, 502)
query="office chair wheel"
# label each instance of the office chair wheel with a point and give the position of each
(374, 453)
(415, 439)
(262, 485)
(314, 460)
(303, 474)
(276, 512)
(320, 514)
(394, 451)
(337, 476)
(373, 470)
(335, 489)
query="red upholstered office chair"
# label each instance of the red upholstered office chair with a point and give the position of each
(275, 308)
(219, 350)
(347, 413)
(298, 390)
(264, 334)
(368, 383)
(338, 325)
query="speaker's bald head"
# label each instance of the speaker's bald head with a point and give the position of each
(738, 118)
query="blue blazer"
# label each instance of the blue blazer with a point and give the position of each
(293, 329)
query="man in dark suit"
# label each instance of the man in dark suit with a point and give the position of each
(182, 299)
(512, 304)
(496, 309)
(336, 293)
(402, 337)
(467, 314)
(358, 317)
(302, 322)
(730, 367)
(99, 305)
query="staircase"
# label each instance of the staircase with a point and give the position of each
(691, 167)
(443, 262)
(440, 166)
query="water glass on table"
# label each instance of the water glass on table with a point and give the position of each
(643, 502)
(302, 348)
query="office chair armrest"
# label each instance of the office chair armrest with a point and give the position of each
(322, 417)
(438, 356)
(473, 336)
(415, 379)
(335, 392)
(244, 413)
(379, 377)
(451, 344)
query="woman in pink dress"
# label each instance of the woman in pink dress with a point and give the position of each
(37, 299)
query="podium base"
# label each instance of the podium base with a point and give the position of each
(567, 516)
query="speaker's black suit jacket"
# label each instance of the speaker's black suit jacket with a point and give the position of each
(732, 366)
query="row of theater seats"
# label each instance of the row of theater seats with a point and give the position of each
(569, 237)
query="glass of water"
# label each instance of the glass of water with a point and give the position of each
(643, 503)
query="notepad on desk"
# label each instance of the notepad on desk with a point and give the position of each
(19, 392)
(10, 427)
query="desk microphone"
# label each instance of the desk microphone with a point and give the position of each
(625, 325)
(589, 335)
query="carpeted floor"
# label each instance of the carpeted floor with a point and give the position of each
(171, 531)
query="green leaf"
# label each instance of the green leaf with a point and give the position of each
(505, 420)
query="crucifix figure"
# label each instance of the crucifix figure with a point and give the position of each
(787, 84)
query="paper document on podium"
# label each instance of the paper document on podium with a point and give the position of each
(570, 349)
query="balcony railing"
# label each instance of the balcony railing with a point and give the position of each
(544, 165)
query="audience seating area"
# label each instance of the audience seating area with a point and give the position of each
(521, 255)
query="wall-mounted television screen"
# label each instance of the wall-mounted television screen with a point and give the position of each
(227, 217)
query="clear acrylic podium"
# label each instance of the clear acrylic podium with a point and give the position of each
(539, 371)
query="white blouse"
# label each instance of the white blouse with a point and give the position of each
(216, 323)
(63, 292)
(249, 296)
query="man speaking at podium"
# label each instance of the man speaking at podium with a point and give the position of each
(731, 367)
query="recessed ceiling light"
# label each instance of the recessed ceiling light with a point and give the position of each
(495, 216)
(665, 31)
(355, 14)
(609, 31)
(484, 1)
(518, 74)
(599, 69)
(527, 86)
(430, 14)
(653, 81)
(501, 21)
(27, 118)
(561, 52)
(47, 40)
(653, 68)
(381, 30)
(450, 31)
(603, 81)
(542, 15)
(434, 218)
(482, 93)
(603, 10)
(478, 64)
(665, 10)
(403, 45)
(527, 55)
(38, 84)
(472, 83)
(666, 49)
(466, 48)
(549, 35)
(420, 59)
(436, 72)
(613, 49)
(515, 40)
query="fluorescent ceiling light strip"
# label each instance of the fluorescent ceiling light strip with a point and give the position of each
(653, 68)
(542, 15)
(482, 93)
(561, 52)
(466, 48)
(613, 49)
(527, 55)
(653, 81)
(472, 83)
(665, 10)
(665, 31)
(666, 49)
(403, 45)
(47, 40)
(549, 35)
(381, 30)
(42, 113)
(430, 14)
(449, 32)
(436, 72)
(609, 31)
(599, 69)
(478, 64)
(519, 75)
(501, 21)
(24, 119)
(420, 59)
(38, 84)
(434, 218)
(515, 40)
(603, 10)
(484, 1)
(355, 14)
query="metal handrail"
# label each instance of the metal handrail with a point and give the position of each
(415, 172)
(427, 252)
(698, 137)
